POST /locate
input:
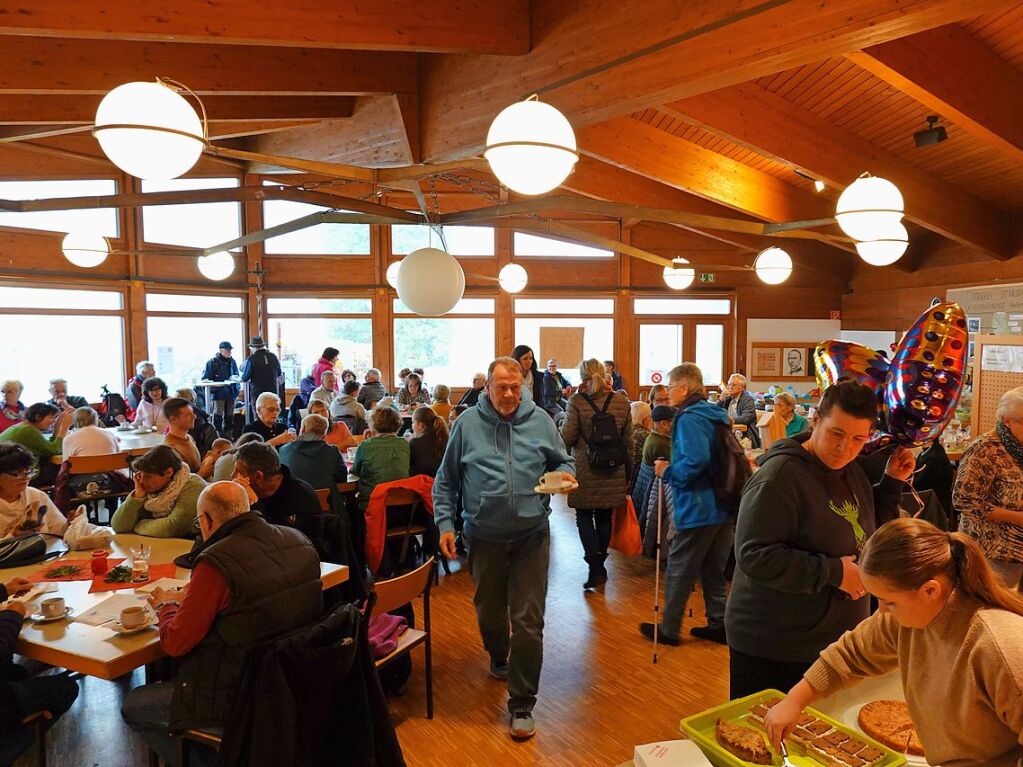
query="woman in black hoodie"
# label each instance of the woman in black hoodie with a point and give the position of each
(804, 518)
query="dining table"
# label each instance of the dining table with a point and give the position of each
(101, 651)
(133, 441)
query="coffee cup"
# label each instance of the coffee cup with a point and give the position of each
(553, 480)
(52, 607)
(133, 617)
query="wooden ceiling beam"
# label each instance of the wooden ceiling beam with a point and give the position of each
(46, 65)
(603, 59)
(776, 128)
(441, 26)
(960, 78)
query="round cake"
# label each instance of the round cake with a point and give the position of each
(888, 721)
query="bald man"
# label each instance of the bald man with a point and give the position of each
(251, 581)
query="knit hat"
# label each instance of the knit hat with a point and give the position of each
(662, 413)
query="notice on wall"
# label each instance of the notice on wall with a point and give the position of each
(1002, 359)
(991, 308)
(563, 344)
(766, 363)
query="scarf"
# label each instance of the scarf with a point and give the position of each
(18, 414)
(1010, 443)
(160, 504)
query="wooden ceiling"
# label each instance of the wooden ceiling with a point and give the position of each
(717, 109)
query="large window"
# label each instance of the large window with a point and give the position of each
(461, 240)
(584, 330)
(46, 339)
(100, 220)
(304, 327)
(674, 330)
(450, 349)
(199, 225)
(185, 331)
(321, 239)
(526, 245)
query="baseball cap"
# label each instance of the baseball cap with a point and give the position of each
(225, 345)
(662, 413)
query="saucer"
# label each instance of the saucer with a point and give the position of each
(40, 618)
(116, 626)
(553, 489)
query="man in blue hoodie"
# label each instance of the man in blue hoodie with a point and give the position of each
(703, 537)
(496, 455)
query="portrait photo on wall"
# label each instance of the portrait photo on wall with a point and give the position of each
(793, 361)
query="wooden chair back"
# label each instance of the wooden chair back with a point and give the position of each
(400, 496)
(358, 438)
(323, 496)
(392, 594)
(95, 464)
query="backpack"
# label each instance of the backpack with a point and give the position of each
(731, 468)
(113, 405)
(605, 448)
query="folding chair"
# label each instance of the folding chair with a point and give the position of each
(392, 594)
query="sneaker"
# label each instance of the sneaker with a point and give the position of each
(499, 669)
(522, 726)
(647, 630)
(710, 634)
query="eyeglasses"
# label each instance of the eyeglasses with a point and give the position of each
(26, 474)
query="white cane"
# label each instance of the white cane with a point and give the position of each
(657, 564)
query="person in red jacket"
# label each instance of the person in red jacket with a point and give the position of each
(327, 361)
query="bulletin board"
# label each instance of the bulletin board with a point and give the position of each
(782, 360)
(997, 367)
(563, 344)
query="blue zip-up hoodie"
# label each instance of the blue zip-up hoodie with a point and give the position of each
(493, 465)
(690, 470)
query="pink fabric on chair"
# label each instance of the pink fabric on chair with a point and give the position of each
(384, 632)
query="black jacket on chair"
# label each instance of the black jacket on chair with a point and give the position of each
(311, 698)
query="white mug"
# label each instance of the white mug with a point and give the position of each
(133, 617)
(52, 607)
(552, 479)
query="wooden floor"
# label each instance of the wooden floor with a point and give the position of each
(599, 694)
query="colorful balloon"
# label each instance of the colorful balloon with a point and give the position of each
(844, 359)
(925, 376)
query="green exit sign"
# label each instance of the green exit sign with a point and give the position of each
(707, 277)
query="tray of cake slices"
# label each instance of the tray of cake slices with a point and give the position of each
(732, 735)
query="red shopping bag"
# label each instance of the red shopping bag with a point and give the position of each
(625, 534)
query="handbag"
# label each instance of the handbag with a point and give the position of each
(24, 550)
(625, 535)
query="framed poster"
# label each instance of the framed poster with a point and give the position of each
(793, 362)
(766, 362)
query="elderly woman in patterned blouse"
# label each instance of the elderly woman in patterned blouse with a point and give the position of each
(988, 491)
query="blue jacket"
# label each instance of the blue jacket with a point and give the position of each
(690, 470)
(220, 368)
(493, 465)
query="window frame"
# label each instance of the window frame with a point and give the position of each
(119, 214)
(242, 222)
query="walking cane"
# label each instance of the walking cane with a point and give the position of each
(657, 564)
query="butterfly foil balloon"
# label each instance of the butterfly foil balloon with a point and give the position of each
(925, 377)
(844, 359)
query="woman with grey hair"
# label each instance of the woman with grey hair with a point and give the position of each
(273, 431)
(741, 406)
(785, 412)
(988, 491)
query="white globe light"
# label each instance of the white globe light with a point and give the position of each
(217, 266)
(513, 278)
(773, 266)
(392, 274)
(676, 277)
(430, 282)
(887, 249)
(531, 147)
(85, 249)
(149, 131)
(868, 207)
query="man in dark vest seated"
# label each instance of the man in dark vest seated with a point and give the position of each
(252, 581)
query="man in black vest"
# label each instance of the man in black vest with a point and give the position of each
(251, 581)
(262, 371)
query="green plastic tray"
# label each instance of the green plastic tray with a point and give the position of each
(700, 729)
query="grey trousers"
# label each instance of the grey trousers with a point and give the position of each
(696, 553)
(146, 710)
(511, 595)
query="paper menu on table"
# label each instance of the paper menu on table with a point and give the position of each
(110, 609)
(670, 753)
(35, 592)
(167, 584)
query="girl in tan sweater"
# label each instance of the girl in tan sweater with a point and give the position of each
(951, 628)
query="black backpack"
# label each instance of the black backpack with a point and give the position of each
(605, 448)
(730, 470)
(113, 406)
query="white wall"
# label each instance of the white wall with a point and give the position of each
(788, 330)
(880, 340)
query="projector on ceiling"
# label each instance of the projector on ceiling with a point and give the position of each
(934, 134)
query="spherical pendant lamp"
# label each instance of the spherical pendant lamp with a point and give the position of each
(868, 207)
(85, 249)
(773, 266)
(676, 276)
(392, 274)
(887, 249)
(218, 266)
(430, 282)
(531, 147)
(149, 130)
(513, 278)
